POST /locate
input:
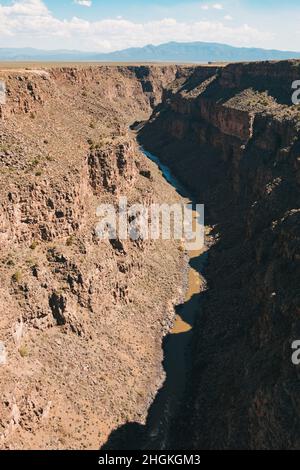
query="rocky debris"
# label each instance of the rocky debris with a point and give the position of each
(58, 306)
(146, 174)
(3, 354)
(112, 168)
(9, 425)
(18, 332)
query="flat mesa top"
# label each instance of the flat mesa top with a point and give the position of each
(25, 66)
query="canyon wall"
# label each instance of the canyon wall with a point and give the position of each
(82, 320)
(232, 137)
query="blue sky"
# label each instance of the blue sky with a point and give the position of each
(99, 25)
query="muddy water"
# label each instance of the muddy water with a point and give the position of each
(156, 433)
(195, 285)
(177, 353)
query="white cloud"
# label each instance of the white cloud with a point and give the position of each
(30, 23)
(84, 3)
(215, 6)
(25, 8)
(228, 17)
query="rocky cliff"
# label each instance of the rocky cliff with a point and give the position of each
(82, 320)
(233, 139)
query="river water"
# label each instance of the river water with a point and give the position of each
(156, 433)
(177, 351)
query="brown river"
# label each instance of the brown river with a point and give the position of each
(176, 345)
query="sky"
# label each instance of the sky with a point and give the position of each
(105, 26)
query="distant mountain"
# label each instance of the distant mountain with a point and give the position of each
(198, 52)
(30, 54)
(169, 52)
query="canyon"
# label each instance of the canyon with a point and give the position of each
(83, 320)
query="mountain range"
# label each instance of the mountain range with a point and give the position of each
(169, 52)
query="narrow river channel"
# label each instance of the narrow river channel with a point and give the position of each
(155, 435)
(177, 343)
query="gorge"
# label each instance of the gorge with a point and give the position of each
(83, 321)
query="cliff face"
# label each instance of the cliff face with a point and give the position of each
(233, 139)
(82, 319)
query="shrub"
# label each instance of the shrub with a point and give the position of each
(23, 351)
(17, 277)
(70, 241)
(35, 161)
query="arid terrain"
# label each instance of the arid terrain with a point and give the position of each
(82, 320)
(234, 141)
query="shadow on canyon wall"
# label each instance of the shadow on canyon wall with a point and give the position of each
(242, 389)
(177, 349)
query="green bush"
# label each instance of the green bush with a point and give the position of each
(33, 245)
(17, 277)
